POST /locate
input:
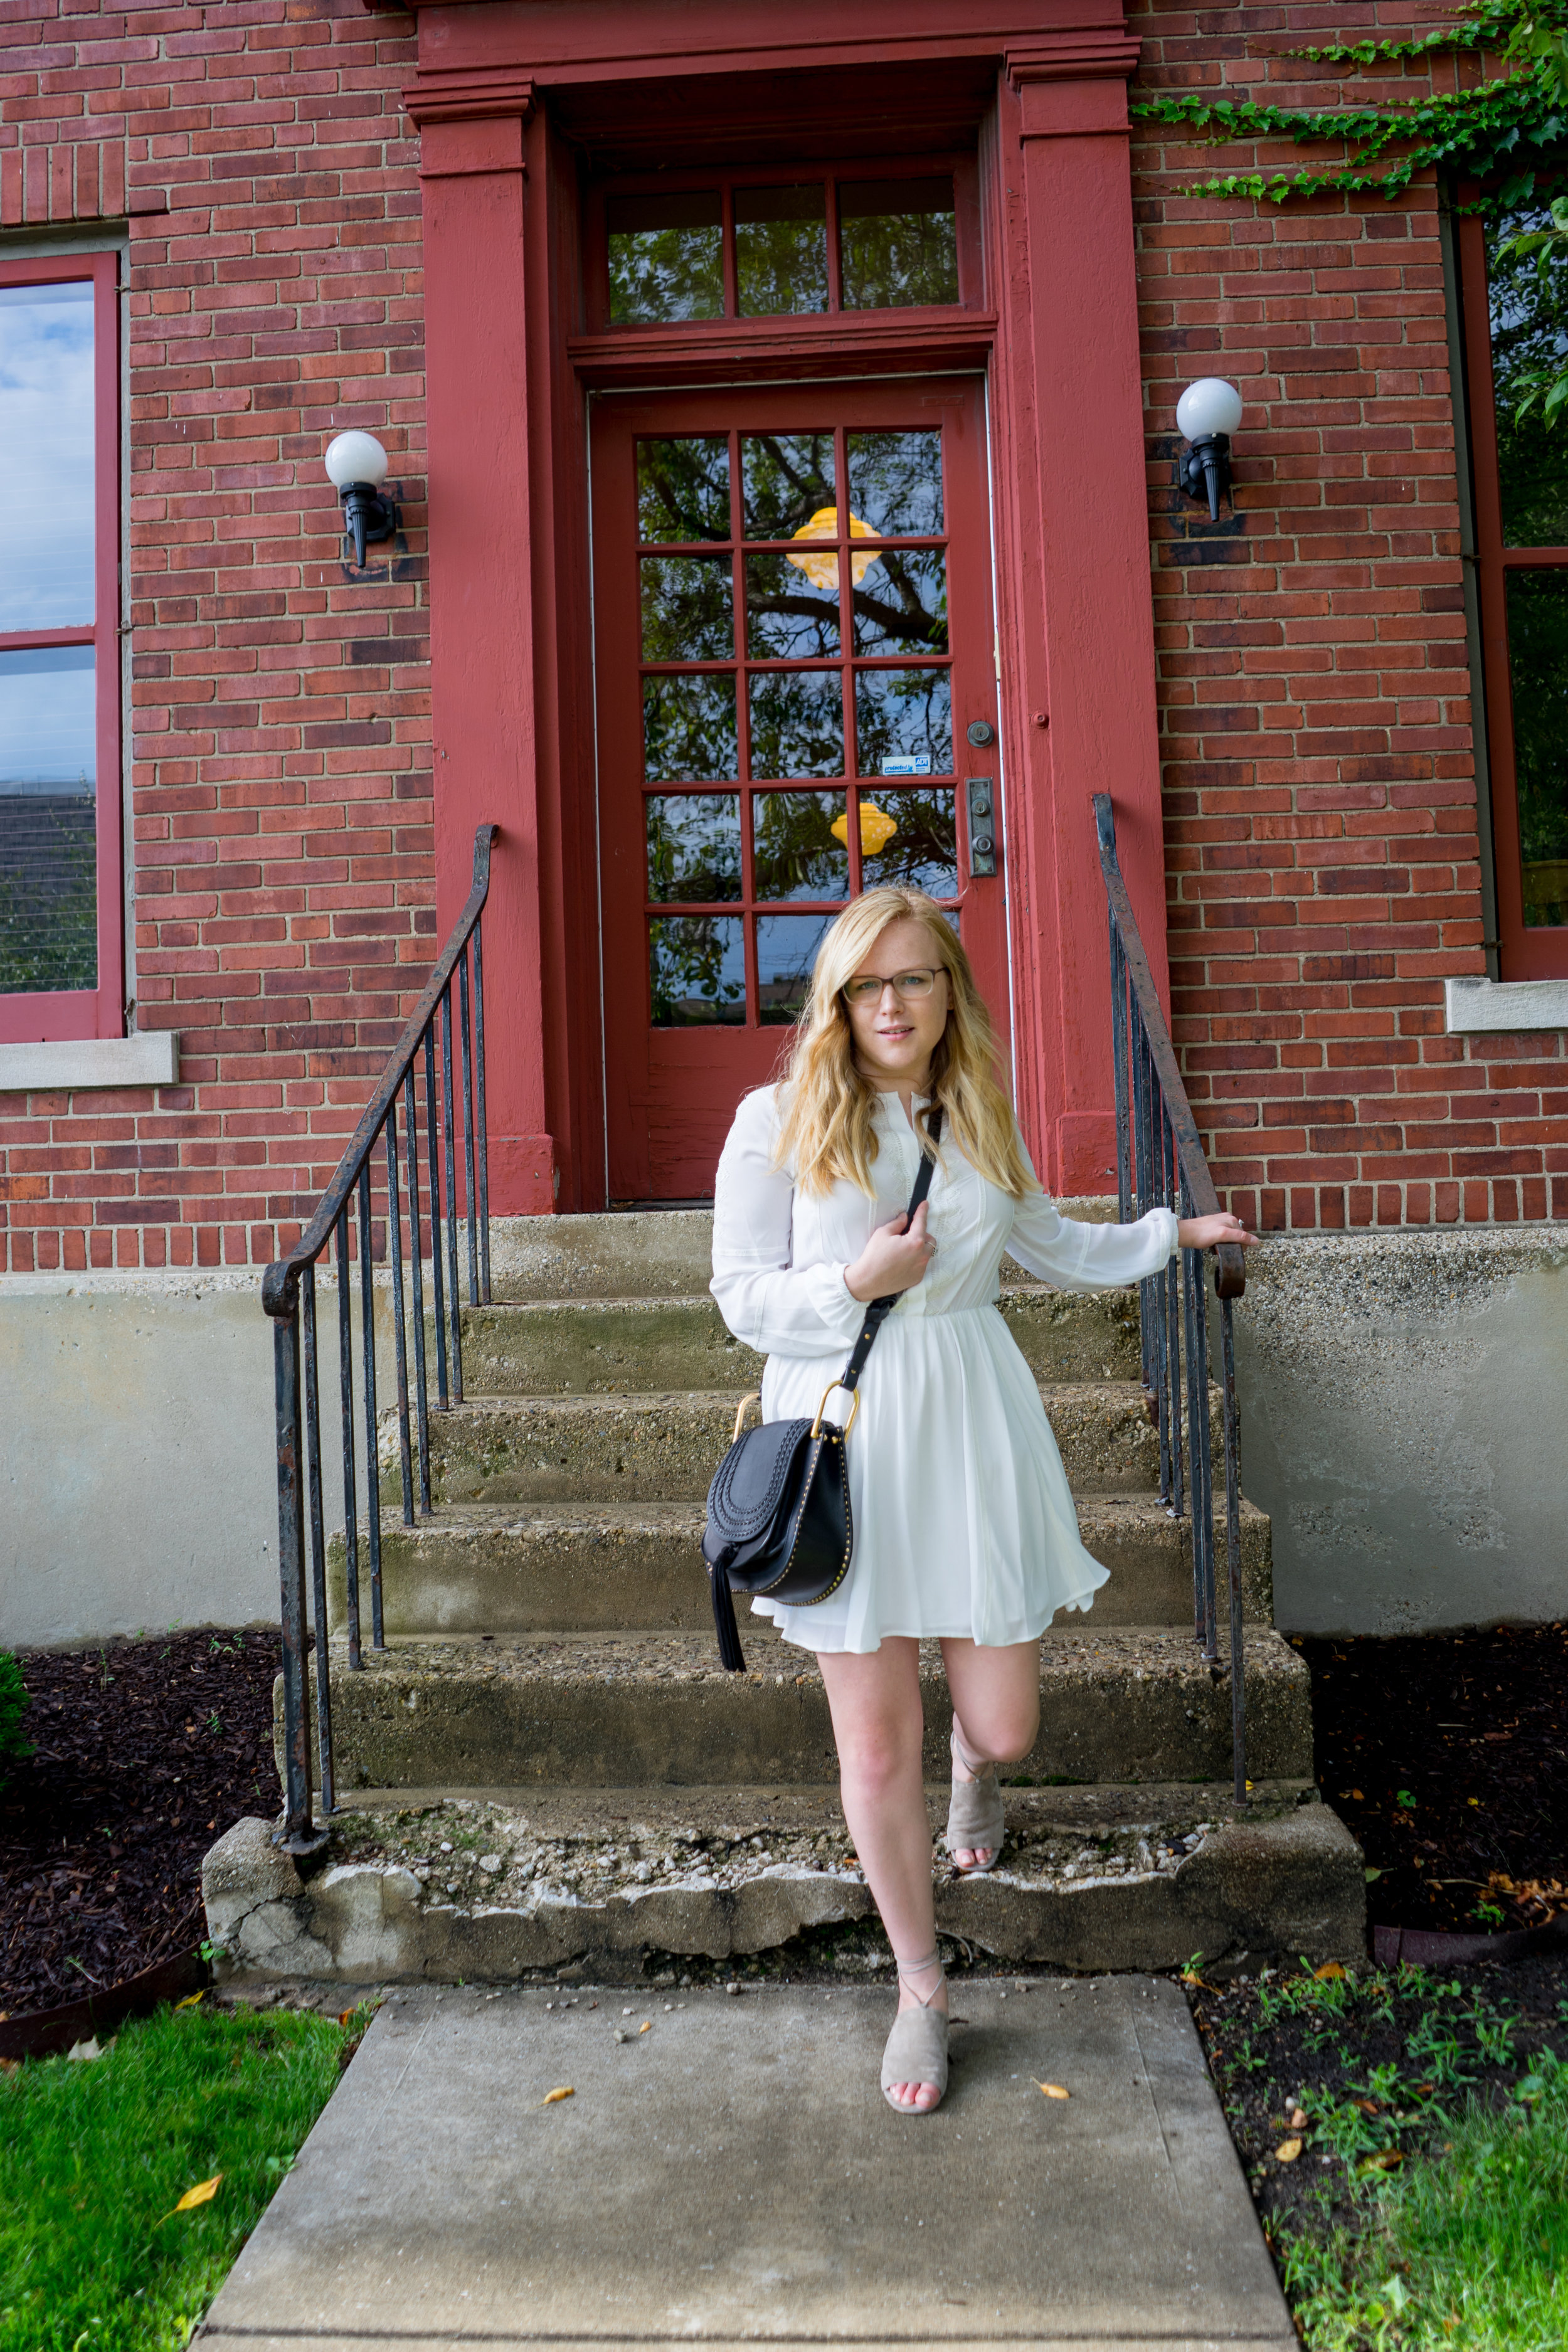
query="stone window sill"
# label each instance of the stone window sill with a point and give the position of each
(1506, 1005)
(151, 1058)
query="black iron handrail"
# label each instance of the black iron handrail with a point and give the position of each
(288, 1296)
(1160, 1163)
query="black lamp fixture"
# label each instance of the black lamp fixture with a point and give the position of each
(1207, 413)
(356, 468)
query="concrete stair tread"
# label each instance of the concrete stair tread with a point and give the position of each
(685, 1518)
(1114, 1395)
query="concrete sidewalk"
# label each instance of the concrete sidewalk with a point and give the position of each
(734, 2175)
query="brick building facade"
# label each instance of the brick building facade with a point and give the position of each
(1322, 850)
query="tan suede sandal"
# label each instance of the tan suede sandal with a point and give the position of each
(975, 1817)
(917, 2046)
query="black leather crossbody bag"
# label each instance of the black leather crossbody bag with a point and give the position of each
(778, 1510)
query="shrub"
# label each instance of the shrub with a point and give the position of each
(14, 1705)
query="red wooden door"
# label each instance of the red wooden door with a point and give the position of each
(787, 681)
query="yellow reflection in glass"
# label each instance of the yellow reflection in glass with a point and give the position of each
(876, 827)
(822, 570)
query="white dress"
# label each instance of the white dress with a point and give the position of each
(963, 1521)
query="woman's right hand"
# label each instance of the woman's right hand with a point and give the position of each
(893, 1259)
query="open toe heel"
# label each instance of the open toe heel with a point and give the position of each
(917, 2046)
(976, 1820)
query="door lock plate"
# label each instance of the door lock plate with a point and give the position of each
(984, 853)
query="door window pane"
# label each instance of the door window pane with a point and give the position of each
(781, 249)
(797, 723)
(895, 482)
(46, 433)
(686, 612)
(697, 965)
(791, 613)
(667, 256)
(900, 604)
(48, 834)
(1538, 670)
(916, 843)
(683, 489)
(786, 479)
(800, 845)
(898, 243)
(688, 730)
(1528, 303)
(786, 950)
(694, 846)
(903, 720)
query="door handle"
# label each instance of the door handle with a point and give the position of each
(984, 851)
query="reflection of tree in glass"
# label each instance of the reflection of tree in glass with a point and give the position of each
(893, 256)
(787, 619)
(781, 249)
(1538, 661)
(686, 612)
(697, 966)
(1528, 303)
(694, 847)
(901, 604)
(923, 853)
(786, 951)
(785, 478)
(688, 730)
(48, 891)
(895, 482)
(666, 257)
(797, 723)
(795, 855)
(683, 490)
(903, 714)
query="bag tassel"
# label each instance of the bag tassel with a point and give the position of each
(731, 1657)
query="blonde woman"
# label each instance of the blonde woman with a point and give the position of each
(964, 1528)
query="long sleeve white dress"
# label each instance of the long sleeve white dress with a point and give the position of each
(963, 1521)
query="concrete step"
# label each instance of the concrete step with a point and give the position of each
(587, 1345)
(475, 1568)
(1134, 1705)
(651, 1446)
(634, 1884)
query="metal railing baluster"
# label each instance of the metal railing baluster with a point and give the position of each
(1233, 1546)
(433, 1132)
(484, 1130)
(454, 1299)
(346, 1386)
(318, 1545)
(372, 1451)
(421, 1394)
(394, 1261)
(470, 1195)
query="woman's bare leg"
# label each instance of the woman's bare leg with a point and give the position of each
(996, 1711)
(878, 1724)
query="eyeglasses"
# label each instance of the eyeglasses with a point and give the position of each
(867, 988)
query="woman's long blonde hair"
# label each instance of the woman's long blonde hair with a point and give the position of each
(828, 1129)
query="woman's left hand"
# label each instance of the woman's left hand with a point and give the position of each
(1207, 1233)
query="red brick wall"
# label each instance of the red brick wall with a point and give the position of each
(1323, 854)
(284, 885)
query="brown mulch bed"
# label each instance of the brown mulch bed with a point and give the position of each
(146, 1751)
(1448, 1756)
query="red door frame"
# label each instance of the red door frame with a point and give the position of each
(509, 366)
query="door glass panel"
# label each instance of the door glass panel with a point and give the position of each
(697, 965)
(781, 249)
(895, 483)
(46, 433)
(1528, 298)
(901, 602)
(688, 730)
(1537, 670)
(903, 722)
(898, 243)
(909, 837)
(683, 490)
(786, 479)
(667, 256)
(797, 723)
(786, 950)
(693, 845)
(48, 846)
(792, 611)
(686, 611)
(800, 848)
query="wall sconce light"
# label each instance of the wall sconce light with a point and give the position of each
(356, 468)
(1207, 413)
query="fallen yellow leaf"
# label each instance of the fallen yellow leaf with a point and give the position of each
(202, 2194)
(1287, 2151)
(565, 2092)
(1386, 2160)
(1327, 1972)
(189, 2002)
(646, 2026)
(1051, 2090)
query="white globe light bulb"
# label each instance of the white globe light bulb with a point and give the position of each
(355, 458)
(1210, 405)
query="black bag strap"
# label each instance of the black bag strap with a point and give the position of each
(878, 1312)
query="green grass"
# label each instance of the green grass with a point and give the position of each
(94, 2156)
